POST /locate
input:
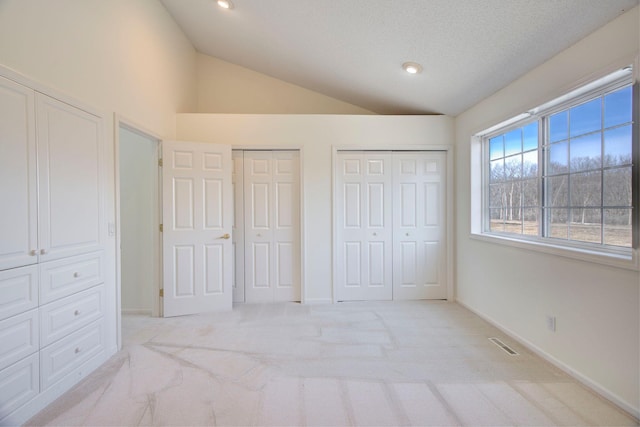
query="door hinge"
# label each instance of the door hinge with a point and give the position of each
(160, 162)
(162, 293)
(161, 228)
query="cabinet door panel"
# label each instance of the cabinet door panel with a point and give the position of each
(18, 215)
(70, 179)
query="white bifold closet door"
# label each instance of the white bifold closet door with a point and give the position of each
(364, 249)
(391, 225)
(271, 182)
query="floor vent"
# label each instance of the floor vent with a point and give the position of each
(503, 346)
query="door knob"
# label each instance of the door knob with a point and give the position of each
(225, 236)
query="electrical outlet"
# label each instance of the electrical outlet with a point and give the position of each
(551, 323)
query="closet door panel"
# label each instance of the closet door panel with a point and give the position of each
(70, 144)
(364, 245)
(18, 215)
(418, 215)
(272, 226)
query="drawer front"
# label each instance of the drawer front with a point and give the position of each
(65, 355)
(19, 383)
(69, 314)
(18, 337)
(67, 276)
(18, 290)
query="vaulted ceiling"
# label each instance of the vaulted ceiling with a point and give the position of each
(353, 50)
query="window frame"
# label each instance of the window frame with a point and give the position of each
(625, 257)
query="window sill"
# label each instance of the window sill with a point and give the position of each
(629, 262)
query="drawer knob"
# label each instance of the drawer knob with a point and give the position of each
(76, 274)
(76, 313)
(43, 251)
(77, 350)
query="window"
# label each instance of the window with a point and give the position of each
(562, 174)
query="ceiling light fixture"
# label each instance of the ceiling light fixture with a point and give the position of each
(412, 67)
(225, 4)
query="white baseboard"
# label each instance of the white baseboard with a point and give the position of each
(588, 382)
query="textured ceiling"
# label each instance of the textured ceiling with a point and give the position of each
(353, 50)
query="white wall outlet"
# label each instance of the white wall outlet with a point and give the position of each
(551, 323)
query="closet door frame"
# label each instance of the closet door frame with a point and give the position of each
(303, 227)
(449, 151)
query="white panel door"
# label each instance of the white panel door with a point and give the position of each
(197, 217)
(70, 180)
(419, 244)
(18, 215)
(272, 226)
(237, 179)
(364, 230)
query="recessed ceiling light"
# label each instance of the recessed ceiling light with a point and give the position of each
(225, 4)
(412, 67)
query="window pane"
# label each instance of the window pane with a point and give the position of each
(586, 117)
(496, 196)
(617, 146)
(530, 193)
(513, 226)
(558, 225)
(496, 148)
(496, 222)
(530, 134)
(513, 167)
(557, 191)
(530, 164)
(617, 187)
(558, 126)
(513, 142)
(530, 222)
(512, 194)
(586, 152)
(585, 189)
(497, 171)
(585, 225)
(617, 227)
(617, 107)
(557, 161)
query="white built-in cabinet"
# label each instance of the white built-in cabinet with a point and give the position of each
(52, 236)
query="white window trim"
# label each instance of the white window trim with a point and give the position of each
(626, 258)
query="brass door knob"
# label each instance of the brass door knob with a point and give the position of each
(226, 236)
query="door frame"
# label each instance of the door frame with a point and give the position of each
(303, 229)
(449, 151)
(156, 310)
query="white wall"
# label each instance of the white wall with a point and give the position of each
(316, 134)
(228, 88)
(597, 307)
(122, 56)
(138, 209)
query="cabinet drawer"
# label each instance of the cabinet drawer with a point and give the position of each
(18, 290)
(67, 276)
(63, 356)
(19, 383)
(19, 337)
(69, 314)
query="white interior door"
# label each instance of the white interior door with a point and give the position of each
(237, 178)
(197, 216)
(419, 244)
(272, 226)
(364, 233)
